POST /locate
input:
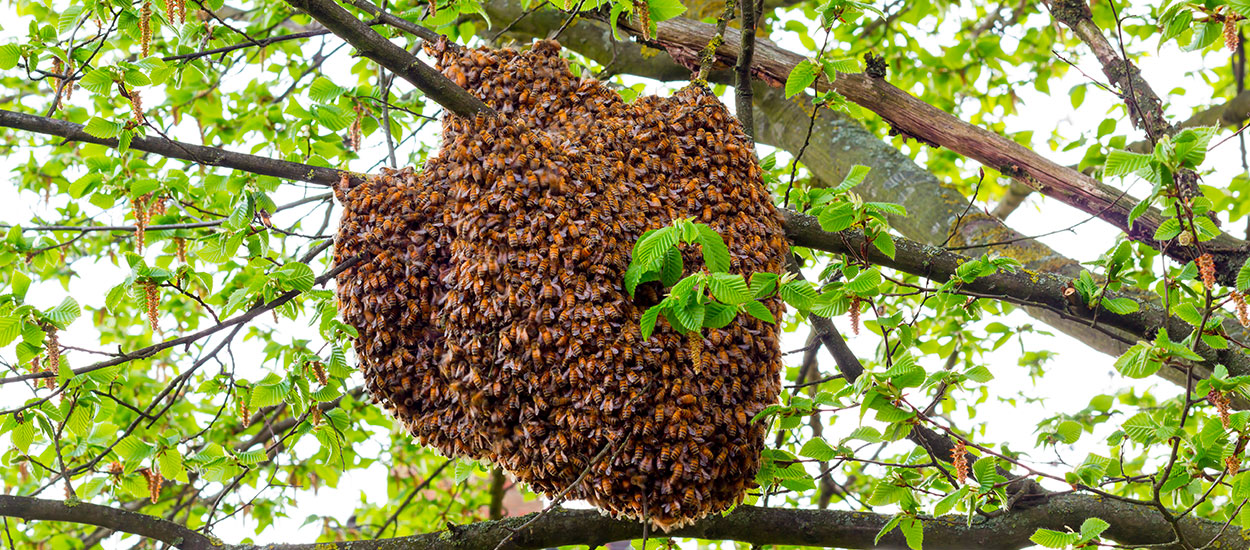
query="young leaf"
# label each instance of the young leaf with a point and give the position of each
(1121, 163)
(715, 253)
(759, 311)
(801, 76)
(730, 289)
(1054, 539)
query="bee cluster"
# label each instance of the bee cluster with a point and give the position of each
(492, 315)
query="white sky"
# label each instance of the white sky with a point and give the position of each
(1070, 381)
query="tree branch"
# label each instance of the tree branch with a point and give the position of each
(683, 37)
(116, 519)
(1130, 525)
(396, 59)
(209, 156)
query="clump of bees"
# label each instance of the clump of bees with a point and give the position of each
(492, 313)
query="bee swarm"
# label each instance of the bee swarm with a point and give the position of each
(492, 315)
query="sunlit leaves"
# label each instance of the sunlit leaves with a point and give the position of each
(801, 76)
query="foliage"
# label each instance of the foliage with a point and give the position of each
(169, 340)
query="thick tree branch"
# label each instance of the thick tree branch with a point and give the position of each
(116, 519)
(683, 37)
(394, 58)
(1130, 525)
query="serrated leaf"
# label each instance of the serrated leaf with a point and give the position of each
(1092, 528)
(663, 10)
(886, 208)
(1054, 539)
(986, 471)
(818, 449)
(763, 284)
(10, 329)
(865, 283)
(759, 311)
(854, 176)
(801, 76)
(9, 54)
(103, 129)
(652, 247)
(65, 313)
(1122, 163)
(885, 243)
(322, 90)
(1139, 428)
(463, 470)
(671, 267)
(99, 81)
(1168, 230)
(913, 531)
(798, 293)
(1120, 306)
(1137, 362)
(298, 276)
(728, 288)
(1243, 277)
(169, 463)
(647, 324)
(836, 217)
(715, 253)
(1069, 431)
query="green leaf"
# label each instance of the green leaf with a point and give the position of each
(715, 253)
(913, 531)
(889, 526)
(816, 448)
(763, 284)
(986, 471)
(1120, 306)
(10, 329)
(169, 463)
(885, 243)
(759, 311)
(1137, 362)
(1054, 539)
(866, 283)
(798, 293)
(886, 208)
(22, 436)
(836, 217)
(297, 275)
(728, 288)
(853, 177)
(1168, 230)
(103, 129)
(1122, 163)
(649, 317)
(9, 54)
(1140, 428)
(463, 470)
(653, 246)
(719, 315)
(1069, 431)
(691, 315)
(663, 10)
(1092, 528)
(801, 76)
(322, 90)
(671, 267)
(1243, 277)
(99, 81)
(65, 313)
